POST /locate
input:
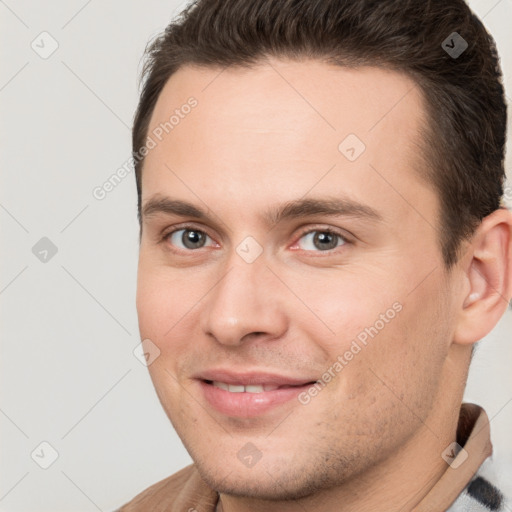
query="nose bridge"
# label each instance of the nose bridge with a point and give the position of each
(243, 301)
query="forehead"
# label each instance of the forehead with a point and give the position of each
(306, 124)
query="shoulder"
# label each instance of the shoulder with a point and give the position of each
(183, 491)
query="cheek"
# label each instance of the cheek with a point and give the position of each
(163, 298)
(351, 309)
(405, 360)
(168, 303)
(162, 310)
(152, 308)
(382, 335)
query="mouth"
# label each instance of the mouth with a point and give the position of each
(250, 394)
(253, 388)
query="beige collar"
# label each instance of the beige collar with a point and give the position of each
(473, 433)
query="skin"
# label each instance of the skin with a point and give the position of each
(372, 438)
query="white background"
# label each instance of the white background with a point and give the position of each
(69, 326)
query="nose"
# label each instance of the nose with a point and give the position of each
(246, 302)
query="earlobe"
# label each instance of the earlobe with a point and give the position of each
(489, 277)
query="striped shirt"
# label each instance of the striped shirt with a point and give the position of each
(482, 494)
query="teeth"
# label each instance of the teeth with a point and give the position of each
(240, 388)
(254, 389)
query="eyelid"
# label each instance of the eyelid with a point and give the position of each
(322, 228)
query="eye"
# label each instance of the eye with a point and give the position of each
(322, 240)
(189, 238)
(318, 240)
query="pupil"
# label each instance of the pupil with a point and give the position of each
(325, 240)
(192, 239)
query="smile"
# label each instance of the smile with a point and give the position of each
(249, 400)
(248, 388)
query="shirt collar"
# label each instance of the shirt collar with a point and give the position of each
(473, 446)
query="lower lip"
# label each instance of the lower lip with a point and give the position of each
(248, 404)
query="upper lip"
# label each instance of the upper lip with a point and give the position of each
(252, 378)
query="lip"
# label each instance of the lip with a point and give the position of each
(244, 404)
(252, 378)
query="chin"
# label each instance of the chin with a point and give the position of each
(279, 483)
(261, 487)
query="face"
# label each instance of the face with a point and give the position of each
(289, 247)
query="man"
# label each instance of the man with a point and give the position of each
(322, 244)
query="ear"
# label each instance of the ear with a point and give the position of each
(488, 275)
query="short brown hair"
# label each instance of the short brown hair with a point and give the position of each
(464, 142)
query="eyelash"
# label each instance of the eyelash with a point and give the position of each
(190, 227)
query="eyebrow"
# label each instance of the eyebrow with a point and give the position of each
(331, 206)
